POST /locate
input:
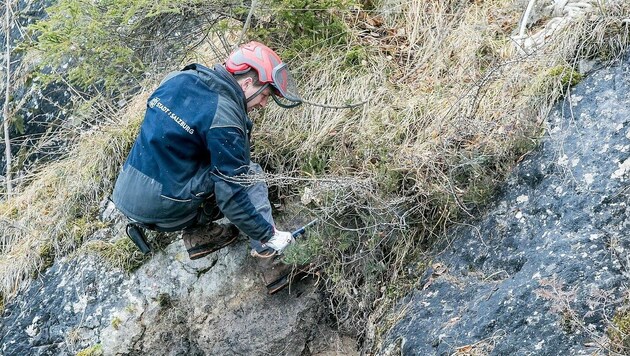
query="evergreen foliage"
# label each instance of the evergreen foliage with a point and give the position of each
(299, 26)
(107, 43)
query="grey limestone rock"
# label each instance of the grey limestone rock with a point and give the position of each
(170, 306)
(546, 265)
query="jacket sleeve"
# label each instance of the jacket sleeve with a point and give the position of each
(229, 160)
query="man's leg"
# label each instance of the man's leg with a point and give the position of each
(206, 236)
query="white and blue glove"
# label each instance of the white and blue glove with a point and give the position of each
(280, 240)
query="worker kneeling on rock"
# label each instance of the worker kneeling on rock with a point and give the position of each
(190, 163)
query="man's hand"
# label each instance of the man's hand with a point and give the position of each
(280, 240)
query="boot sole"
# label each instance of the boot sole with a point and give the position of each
(282, 282)
(205, 252)
(278, 285)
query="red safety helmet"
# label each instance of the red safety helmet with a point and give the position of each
(270, 69)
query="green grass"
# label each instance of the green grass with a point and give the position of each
(121, 253)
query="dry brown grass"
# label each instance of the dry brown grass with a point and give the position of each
(57, 209)
(451, 106)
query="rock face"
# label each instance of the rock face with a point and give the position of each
(546, 266)
(171, 306)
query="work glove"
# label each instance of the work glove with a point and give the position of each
(280, 240)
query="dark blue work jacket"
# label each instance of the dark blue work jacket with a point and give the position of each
(195, 139)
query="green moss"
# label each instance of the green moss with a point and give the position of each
(555, 79)
(354, 56)
(116, 322)
(619, 331)
(96, 350)
(567, 75)
(122, 253)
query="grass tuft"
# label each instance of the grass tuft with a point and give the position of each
(122, 253)
(96, 350)
(57, 207)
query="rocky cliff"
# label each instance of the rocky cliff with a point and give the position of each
(545, 268)
(170, 306)
(542, 272)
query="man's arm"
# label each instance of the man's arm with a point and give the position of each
(229, 161)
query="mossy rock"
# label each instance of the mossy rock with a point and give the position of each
(96, 350)
(619, 331)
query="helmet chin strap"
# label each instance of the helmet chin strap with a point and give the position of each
(284, 104)
(256, 93)
(275, 98)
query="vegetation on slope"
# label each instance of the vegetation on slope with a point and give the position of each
(452, 103)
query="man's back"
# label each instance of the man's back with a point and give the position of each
(166, 173)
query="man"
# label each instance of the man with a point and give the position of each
(190, 162)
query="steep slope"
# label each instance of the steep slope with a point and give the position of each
(450, 99)
(545, 268)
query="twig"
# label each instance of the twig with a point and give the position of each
(347, 106)
(525, 18)
(7, 99)
(246, 25)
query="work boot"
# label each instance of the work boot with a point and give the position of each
(202, 240)
(275, 274)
